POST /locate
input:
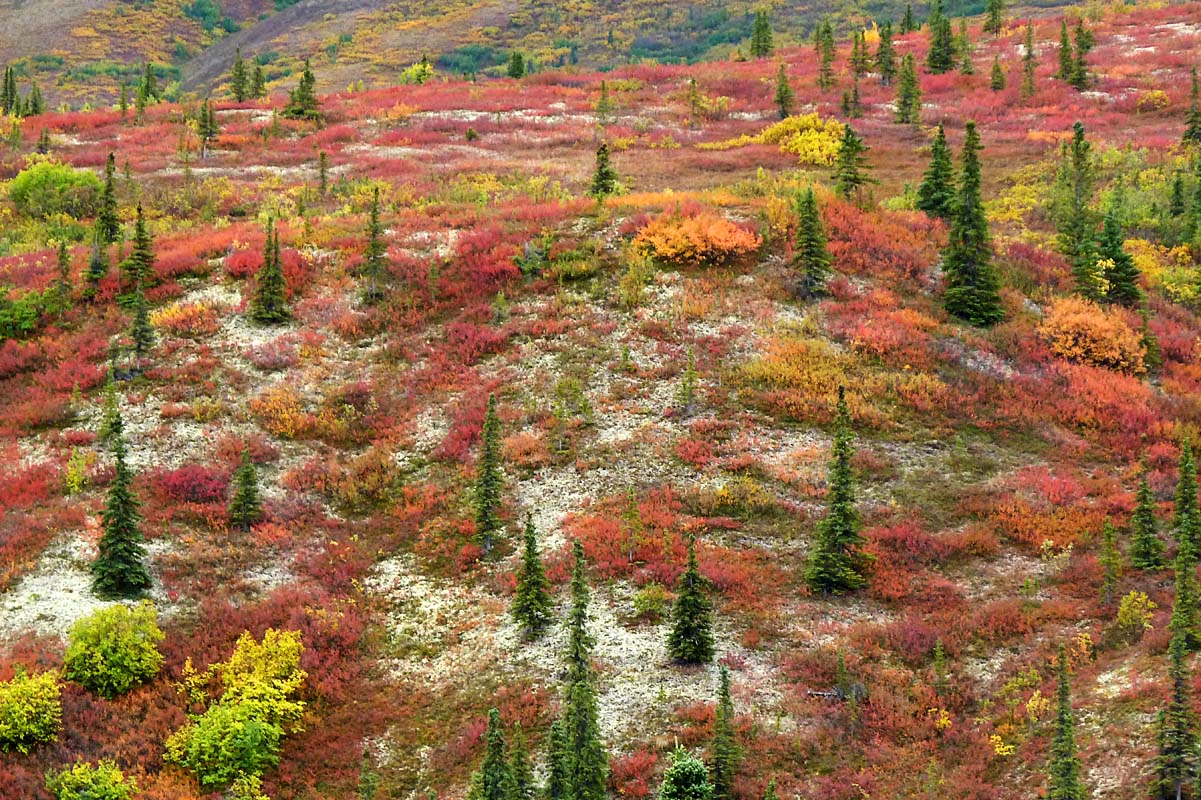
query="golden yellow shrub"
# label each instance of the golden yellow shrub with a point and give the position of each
(1082, 331)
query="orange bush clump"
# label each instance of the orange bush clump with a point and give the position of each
(701, 240)
(1082, 331)
(186, 319)
(279, 409)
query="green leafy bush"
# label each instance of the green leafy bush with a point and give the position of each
(114, 649)
(30, 711)
(225, 742)
(47, 187)
(84, 781)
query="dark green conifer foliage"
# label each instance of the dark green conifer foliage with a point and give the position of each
(1177, 204)
(532, 602)
(1121, 273)
(258, 83)
(587, 765)
(690, 640)
(123, 100)
(860, 61)
(971, 280)
(8, 91)
(556, 787)
(1076, 220)
(149, 86)
(909, 93)
(604, 177)
(269, 306)
(494, 780)
(1184, 611)
(138, 266)
(940, 57)
(375, 256)
(302, 101)
(963, 48)
(936, 193)
(886, 55)
(107, 223)
(521, 766)
(1067, 60)
(685, 778)
(908, 24)
(994, 11)
(823, 37)
(119, 569)
(489, 482)
(1187, 522)
(238, 79)
(1176, 763)
(724, 751)
(245, 507)
(140, 329)
(34, 103)
(1146, 548)
(784, 95)
(762, 43)
(322, 173)
(1063, 773)
(850, 166)
(516, 65)
(996, 78)
(1192, 121)
(1079, 77)
(207, 127)
(97, 265)
(812, 257)
(837, 562)
(1029, 62)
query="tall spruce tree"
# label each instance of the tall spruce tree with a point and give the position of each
(238, 79)
(994, 11)
(8, 91)
(489, 481)
(516, 68)
(302, 101)
(860, 59)
(685, 778)
(558, 758)
(1029, 62)
(1192, 121)
(138, 266)
(909, 93)
(936, 192)
(1063, 772)
(1067, 60)
(586, 764)
(269, 305)
(824, 37)
(811, 257)
(996, 77)
(604, 177)
(521, 766)
(850, 166)
(724, 753)
(971, 280)
(1076, 221)
(837, 562)
(762, 43)
(207, 127)
(258, 83)
(107, 224)
(1176, 764)
(1146, 549)
(1121, 273)
(908, 24)
(886, 55)
(532, 602)
(940, 57)
(690, 640)
(963, 49)
(97, 265)
(784, 95)
(375, 255)
(1187, 522)
(141, 332)
(120, 569)
(245, 506)
(1078, 78)
(494, 780)
(1183, 623)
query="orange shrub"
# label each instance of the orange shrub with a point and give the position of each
(1082, 331)
(280, 412)
(701, 240)
(186, 319)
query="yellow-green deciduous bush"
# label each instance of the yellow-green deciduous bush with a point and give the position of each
(30, 711)
(83, 781)
(114, 649)
(47, 187)
(1134, 614)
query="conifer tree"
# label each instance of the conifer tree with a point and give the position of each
(812, 257)
(489, 482)
(1063, 778)
(971, 280)
(1076, 221)
(724, 751)
(494, 780)
(690, 640)
(761, 35)
(119, 569)
(996, 78)
(1177, 204)
(1029, 62)
(1183, 623)
(1067, 60)
(556, 787)
(1078, 78)
(238, 79)
(245, 507)
(823, 38)
(43, 145)
(994, 11)
(1111, 562)
(123, 100)
(149, 87)
(269, 306)
(784, 96)
(258, 83)
(1187, 521)
(936, 193)
(521, 766)
(1146, 549)
(532, 602)
(908, 24)
(586, 764)
(604, 104)
(860, 61)
(138, 266)
(302, 101)
(322, 173)
(850, 100)
(516, 67)
(685, 778)
(107, 224)
(837, 563)
(886, 55)
(1176, 763)
(1192, 121)
(963, 48)
(140, 329)
(604, 177)
(375, 256)
(207, 127)
(1121, 274)
(8, 91)
(909, 93)
(850, 165)
(34, 104)
(97, 265)
(940, 57)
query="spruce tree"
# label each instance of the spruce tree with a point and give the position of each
(850, 165)
(558, 760)
(494, 780)
(1121, 274)
(784, 96)
(119, 569)
(375, 256)
(1187, 518)
(908, 24)
(489, 482)
(148, 88)
(587, 765)
(971, 280)
(1063, 773)
(837, 562)
(936, 193)
(824, 42)
(604, 105)
(724, 750)
(1079, 78)
(1192, 121)
(302, 101)
(521, 766)
(1177, 204)
(97, 265)
(1146, 549)
(1176, 763)
(532, 602)
(994, 11)
(1111, 563)
(940, 57)
(762, 43)
(860, 60)
(138, 266)
(909, 93)
(690, 640)
(685, 778)
(269, 306)
(886, 55)
(238, 79)
(34, 103)
(1076, 221)
(1029, 62)
(322, 173)
(258, 83)
(107, 224)
(1183, 623)
(140, 329)
(1067, 60)
(996, 78)
(8, 91)
(245, 506)
(812, 258)
(963, 48)
(604, 177)
(516, 65)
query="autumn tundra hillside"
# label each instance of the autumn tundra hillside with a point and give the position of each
(815, 419)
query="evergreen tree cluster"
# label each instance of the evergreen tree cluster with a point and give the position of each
(269, 305)
(13, 104)
(762, 43)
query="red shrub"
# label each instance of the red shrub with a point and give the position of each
(193, 483)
